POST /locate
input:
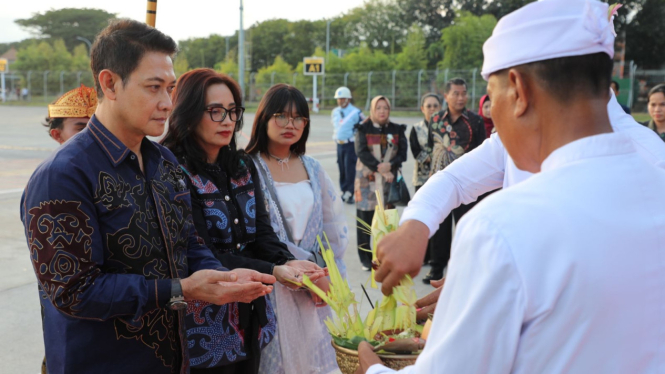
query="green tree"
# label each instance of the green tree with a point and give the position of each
(180, 65)
(379, 24)
(67, 24)
(431, 15)
(204, 52)
(267, 41)
(644, 35)
(229, 65)
(301, 41)
(281, 69)
(80, 58)
(414, 54)
(463, 41)
(44, 56)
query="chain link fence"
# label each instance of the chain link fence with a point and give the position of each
(403, 88)
(43, 86)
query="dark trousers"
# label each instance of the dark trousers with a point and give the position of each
(364, 238)
(247, 366)
(440, 243)
(346, 160)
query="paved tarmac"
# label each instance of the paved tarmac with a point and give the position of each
(24, 143)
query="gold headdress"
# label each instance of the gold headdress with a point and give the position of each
(79, 102)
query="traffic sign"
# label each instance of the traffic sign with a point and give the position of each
(313, 66)
(3, 64)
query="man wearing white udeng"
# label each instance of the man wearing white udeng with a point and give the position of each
(564, 272)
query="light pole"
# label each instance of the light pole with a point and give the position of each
(86, 41)
(327, 40)
(241, 55)
(325, 60)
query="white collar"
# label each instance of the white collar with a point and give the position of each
(602, 145)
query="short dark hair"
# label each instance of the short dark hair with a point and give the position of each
(456, 82)
(53, 123)
(428, 95)
(189, 103)
(616, 84)
(277, 98)
(568, 77)
(656, 89)
(121, 46)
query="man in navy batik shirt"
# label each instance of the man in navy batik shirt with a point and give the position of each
(109, 225)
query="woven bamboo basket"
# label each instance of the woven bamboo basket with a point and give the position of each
(347, 359)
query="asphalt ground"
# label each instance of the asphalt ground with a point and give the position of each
(24, 143)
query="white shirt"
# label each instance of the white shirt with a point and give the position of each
(562, 273)
(297, 202)
(489, 167)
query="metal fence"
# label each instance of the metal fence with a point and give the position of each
(643, 81)
(44, 86)
(403, 88)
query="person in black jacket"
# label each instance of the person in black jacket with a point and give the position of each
(223, 185)
(381, 148)
(455, 131)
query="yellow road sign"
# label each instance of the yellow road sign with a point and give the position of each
(313, 66)
(3, 64)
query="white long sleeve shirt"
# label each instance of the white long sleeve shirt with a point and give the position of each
(562, 273)
(489, 167)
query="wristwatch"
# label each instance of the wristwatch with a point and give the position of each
(177, 301)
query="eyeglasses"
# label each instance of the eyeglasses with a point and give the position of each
(282, 120)
(218, 113)
(432, 106)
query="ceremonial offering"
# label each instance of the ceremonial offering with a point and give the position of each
(390, 326)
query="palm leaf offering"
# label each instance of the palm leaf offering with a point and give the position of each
(393, 318)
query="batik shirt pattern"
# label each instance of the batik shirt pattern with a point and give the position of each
(105, 241)
(214, 333)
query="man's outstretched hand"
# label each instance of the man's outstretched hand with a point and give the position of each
(222, 287)
(400, 253)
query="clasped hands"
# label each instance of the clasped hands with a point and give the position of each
(385, 169)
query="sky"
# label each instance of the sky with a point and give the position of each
(182, 19)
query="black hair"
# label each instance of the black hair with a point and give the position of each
(275, 100)
(428, 95)
(121, 46)
(656, 89)
(456, 82)
(189, 103)
(53, 123)
(616, 84)
(567, 77)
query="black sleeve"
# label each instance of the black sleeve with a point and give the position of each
(415, 144)
(402, 150)
(479, 135)
(268, 246)
(362, 150)
(197, 214)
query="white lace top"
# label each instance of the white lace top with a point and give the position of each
(297, 201)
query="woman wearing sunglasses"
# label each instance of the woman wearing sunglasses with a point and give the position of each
(303, 204)
(205, 118)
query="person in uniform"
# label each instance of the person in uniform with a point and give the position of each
(532, 284)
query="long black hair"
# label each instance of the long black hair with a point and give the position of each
(277, 98)
(189, 102)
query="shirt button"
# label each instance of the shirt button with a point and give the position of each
(238, 246)
(227, 198)
(235, 221)
(133, 157)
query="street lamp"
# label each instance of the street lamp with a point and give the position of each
(86, 41)
(241, 55)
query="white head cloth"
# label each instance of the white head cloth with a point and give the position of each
(548, 29)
